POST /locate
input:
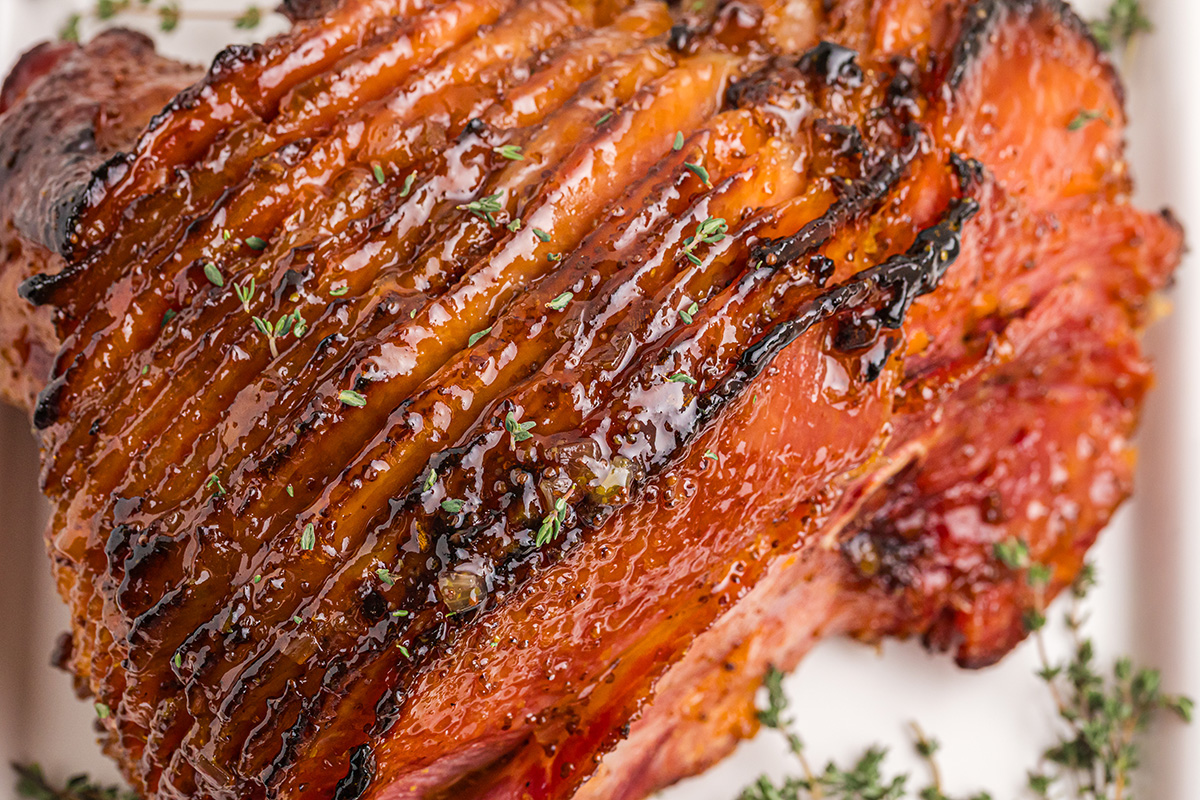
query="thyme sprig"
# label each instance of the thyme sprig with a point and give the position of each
(292, 323)
(1120, 26)
(710, 231)
(32, 784)
(169, 14)
(1101, 717)
(485, 208)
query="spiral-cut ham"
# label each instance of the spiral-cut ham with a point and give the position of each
(473, 398)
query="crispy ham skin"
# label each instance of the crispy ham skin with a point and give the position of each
(473, 398)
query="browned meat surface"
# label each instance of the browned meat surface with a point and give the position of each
(472, 398)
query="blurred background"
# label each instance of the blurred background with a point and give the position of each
(845, 697)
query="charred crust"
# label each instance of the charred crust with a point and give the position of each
(894, 285)
(832, 63)
(359, 775)
(679, 38)
(39, 289)
(984, 17)
(46, 412)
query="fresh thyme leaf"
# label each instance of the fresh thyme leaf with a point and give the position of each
(249, 19)
(69, 32)
(475, 337)
(688, 315)
(380, 177)
(485, 208)
(352, 398)
(510, 151)
(551, 526)
(520, 430)
(1121, 25)
(403, 651)
(214, 484)
(453, 506)
(339, 291)
(33, 785)
(245, 293)
(256, 243)
(515, 225)
(290, 491)
(213, 273)
(604, 119)
(711, 455)
(541, 234)
(103, 711)
(1038, 576)
(560, 302)
(700, 173)
(168, 17)
(1103, 716)
(1084, 117)
(430, 480)
(408, 184)
(777, 702)
(679, 377)
(308, 539)
(710, 231)
(1013, 553)
(678, 145)
(385, 576)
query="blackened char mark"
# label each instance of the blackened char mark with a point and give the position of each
(893, 285)
(834, 64)
(857, 197)
(360, 775)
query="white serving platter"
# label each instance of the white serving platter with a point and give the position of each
(992, 723)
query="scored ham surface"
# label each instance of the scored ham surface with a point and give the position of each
(474, 398)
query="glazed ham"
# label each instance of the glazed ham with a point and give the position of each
(474, 398)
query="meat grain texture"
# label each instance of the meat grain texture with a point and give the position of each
(472, 398)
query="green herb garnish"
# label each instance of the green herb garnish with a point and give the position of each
(688, 315)
(560, 302)
(700, 173)
(213, 273)
(351, 398)
(552, 525)
(510, 151)
(408, 184)
(485, 208)
(1084, 117)
(1124, 21)
(710, 231)
(308, 539)
(245, 293)
(475, 337)
(520, 430)
(214, 485)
